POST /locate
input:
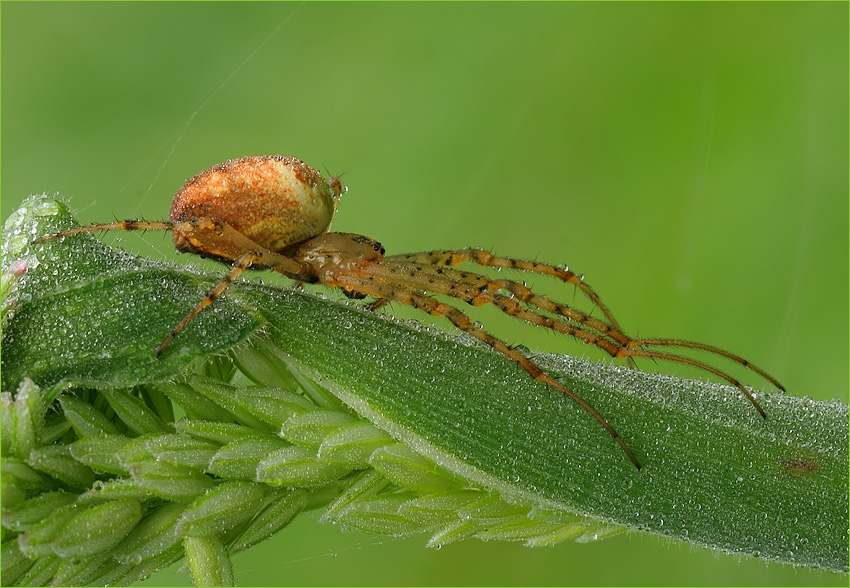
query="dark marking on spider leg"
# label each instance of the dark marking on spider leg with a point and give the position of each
(487, 259)
(580, 331)
(469, 287)
(478, 290)
(525, 294)
(124, 225)
(243, 263)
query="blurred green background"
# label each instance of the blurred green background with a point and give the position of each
(691, 159)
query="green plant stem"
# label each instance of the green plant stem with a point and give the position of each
(715, 473)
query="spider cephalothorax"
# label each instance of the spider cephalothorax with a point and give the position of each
(274, 212)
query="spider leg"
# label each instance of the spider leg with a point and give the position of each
(125, 225)
(377, 303)
(463, 322)
(528, 296)
(477, 290)
(243, 263)
(632, 347)
(217, 239)
(367, 284)
(703, 366)
(487, 259)
(636, 343)
(629, 348)
(213, 238)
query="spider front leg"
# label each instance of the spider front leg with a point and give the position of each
(485, 258)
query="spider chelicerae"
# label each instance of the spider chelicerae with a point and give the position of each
(274, 212)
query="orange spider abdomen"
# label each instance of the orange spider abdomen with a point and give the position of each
(274, 200)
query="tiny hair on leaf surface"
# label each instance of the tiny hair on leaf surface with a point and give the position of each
(279, 385)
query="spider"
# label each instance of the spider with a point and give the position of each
(274, 212)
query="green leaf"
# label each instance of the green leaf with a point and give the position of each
(131, 409)
(85, 419)
(76, 571)
(28, 418)
(176, 450)
(66, 319)
(311, 429)
(116, 489)
(353, 445)
(18, 480)
(215, 432)
(14, 562)
(39, 539)
(168, 481)
(409, 469)
(714, 473)
(41, 572)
